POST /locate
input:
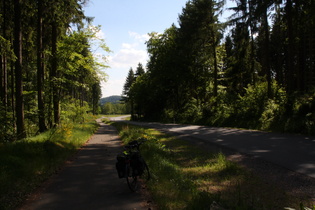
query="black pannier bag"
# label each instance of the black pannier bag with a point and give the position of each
(137, 164)
(121, 165)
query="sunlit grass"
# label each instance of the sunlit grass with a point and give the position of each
(186, 177)
(25, 164)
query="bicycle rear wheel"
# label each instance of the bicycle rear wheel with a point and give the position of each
(132, 180)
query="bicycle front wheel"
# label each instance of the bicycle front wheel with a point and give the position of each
(146, 173)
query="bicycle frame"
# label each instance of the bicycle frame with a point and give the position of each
(132, 173)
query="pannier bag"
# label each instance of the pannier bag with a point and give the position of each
(137, 164)
(121, 165)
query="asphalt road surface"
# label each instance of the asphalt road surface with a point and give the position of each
(294, 152)
(90, 182)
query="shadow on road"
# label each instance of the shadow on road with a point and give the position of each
(89, 181)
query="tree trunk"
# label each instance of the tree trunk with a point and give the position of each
(12, 93)
(40, 70)
(290, 57)
(215, 83)
(19, 106)
(301, 61)
(266, 63)
(54, 75)
(252, 45)
(4, 81)
(3, 66)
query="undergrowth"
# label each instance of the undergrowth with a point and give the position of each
(186, 177)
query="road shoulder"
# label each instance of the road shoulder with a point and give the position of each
(89, 181)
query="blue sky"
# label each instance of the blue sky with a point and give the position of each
(124, 26)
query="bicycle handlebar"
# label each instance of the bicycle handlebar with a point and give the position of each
(135, 144)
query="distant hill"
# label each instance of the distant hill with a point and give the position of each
(111, 99)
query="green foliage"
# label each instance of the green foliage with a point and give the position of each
(271, 115)
(129, 81)
(57, 64)
(183, 63)
(251, 105)
(108, 108)
(250, 81)
(140, 70)
(166, 175)
(25, 164)
(114, 108)
(7, 130)
(302, 115)
(274, 111)
(6, 49)
(191, 112)
(256, 111)
(111, 99)
(251, 110)
(74, 111)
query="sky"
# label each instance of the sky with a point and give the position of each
(125, 25)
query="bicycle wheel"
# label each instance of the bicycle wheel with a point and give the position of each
(146, 173)
(132, 180)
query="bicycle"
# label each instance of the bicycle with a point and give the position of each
(132, 166)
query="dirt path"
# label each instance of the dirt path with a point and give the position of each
(90, 181)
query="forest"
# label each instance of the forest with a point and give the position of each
(255, 71)
(48, 72)
(113, 105)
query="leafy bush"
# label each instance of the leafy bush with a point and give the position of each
(302, 115)
(190, 113)
(272, 116)
(7, 130)
(252, 110)
(218, 111)
(74, 111)
(251, 105)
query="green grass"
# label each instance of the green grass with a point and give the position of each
(114, 115)
(25, 164)
(187, 177)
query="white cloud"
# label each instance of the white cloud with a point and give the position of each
(130, 54)
(139, 37)
(112, 87)
(100, 34)
(128, 57)
(129, 46)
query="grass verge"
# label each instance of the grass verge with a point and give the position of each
(25, 164)
(186, 177)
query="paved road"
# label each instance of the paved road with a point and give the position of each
(90, 181)
(294, 152)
